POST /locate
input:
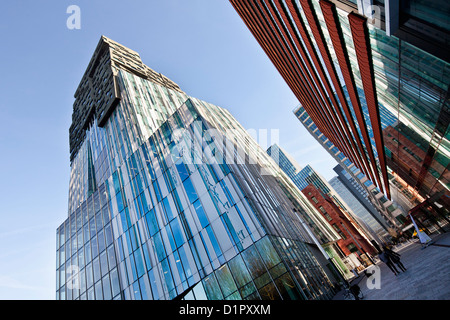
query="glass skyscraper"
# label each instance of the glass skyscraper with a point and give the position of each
(356, 198)
(170, 198)
(302, 177)
(373, 77)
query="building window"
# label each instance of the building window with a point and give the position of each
(325, 213)
(192, 195)
(314, 199)
(339, 231)
(352, 248)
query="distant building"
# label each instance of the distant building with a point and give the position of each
(356, 198)
(353, 242)
(303, 177)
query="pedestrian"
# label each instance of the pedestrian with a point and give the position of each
(395, 257)
(386, 259)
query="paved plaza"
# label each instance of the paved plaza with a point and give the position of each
(427, 276)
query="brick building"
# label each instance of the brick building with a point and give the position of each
(352, 240)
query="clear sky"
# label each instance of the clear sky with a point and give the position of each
(202, 45)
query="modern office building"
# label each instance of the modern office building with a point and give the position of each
(364, 70)
(160, 209)
(357, 200)
(302, 177)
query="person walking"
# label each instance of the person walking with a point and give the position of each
(395, 257)
(387, 260)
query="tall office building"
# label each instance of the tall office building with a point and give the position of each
(302, 177)
(170, 198)
(356, 198)
(363, 80)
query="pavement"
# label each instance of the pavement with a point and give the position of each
(427, 276)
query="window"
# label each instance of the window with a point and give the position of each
(254, 262)
(212, 288)
(96, 268)
(101, 241)
(339, 231)
(286, 287)
(115, 282)
(213, 240)
(119, 199)
(94, 246)
(160, 252)
(116, 182)
(106, 288)
(177, 233)
(157, 190)
(413, 154)
(225, 280)
(314, 199)
(167, 209)
(179, 266)
(352, 248)
(190, 191)
(103, 263)
(268, 253)
(182, 170)
(152, 223)
(201, 213)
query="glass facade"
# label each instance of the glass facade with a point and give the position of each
(412, 90)
(360, 207)
(158, 209)
(256, 273)
(301, 177)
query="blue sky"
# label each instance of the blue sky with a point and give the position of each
(202, 45)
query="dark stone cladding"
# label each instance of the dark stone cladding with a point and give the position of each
(98, 92)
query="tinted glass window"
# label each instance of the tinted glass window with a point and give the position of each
(190, 190)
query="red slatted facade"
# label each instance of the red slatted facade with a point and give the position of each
(279, 28)
(361, 41)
